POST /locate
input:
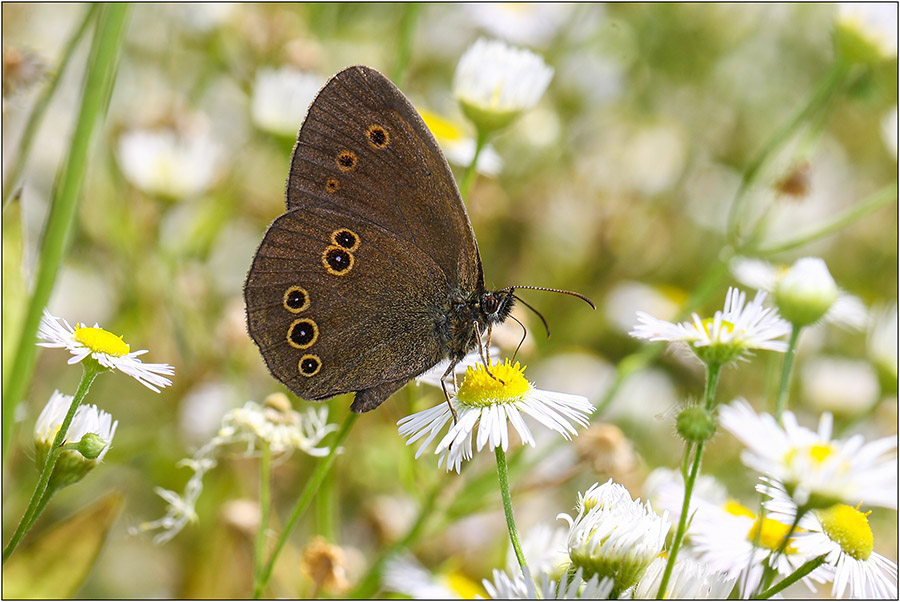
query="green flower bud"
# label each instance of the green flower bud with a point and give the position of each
(695, 424)
(91, 446)
(806, 292)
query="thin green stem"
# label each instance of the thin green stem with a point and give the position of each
(42, 494)
(781, 400)
(805, 569)
(368, 584)
(325, 505)
(312, 486)
(98, 84)
(824, 91)
(773, 559)
(408, 20)
(709, 396)
(871, 204)
(265, 505)
(35, 118)
(503, 476)
(469, 177)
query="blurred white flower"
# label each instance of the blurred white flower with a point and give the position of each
(487, 405)
(806, 291)
(889, 130)
(172, 164)
(281, 98)
(881, 339)
(614, 536)
(847, 310)
(571, 587)
(839, 385)
(628, 296)
(844, 535)
(494, 82)
(545, 551)
(72, 465)
(873, 24)
(109, 350)
(459, 148)
(816, 470)
(726, 337)
(690, 580)
(519, 22)
(404, 574)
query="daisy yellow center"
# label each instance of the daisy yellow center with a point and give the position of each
(726, 328)
(480, 388)
(849, 528)
(101, 341)
(441, 127)
(818, 453)
(736, 509)
(771, 534)
(462, 585)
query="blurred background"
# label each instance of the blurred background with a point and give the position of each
(617, 185)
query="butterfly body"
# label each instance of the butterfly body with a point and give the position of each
(372, 275)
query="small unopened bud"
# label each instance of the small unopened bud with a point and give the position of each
(695, 424)
(91, 446)
(806, 292)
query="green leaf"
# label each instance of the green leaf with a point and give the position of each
(55, 564)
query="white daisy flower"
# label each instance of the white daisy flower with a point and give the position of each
(459, 148)
(728, 336)
(690, 580)
(732, 540)
(840, 385)
(433, 375)
(817, 471)
(545, 551)
(495, 82)
(844, 535)
(109, 350)
(614, 536)
(867, 30)
(520, 22)
(881, 340)
(171, 164)
(568, 587)
(485, 405)
(281, 98)
(90, 426)
(811, 273)
(404, 574)
(889, 131)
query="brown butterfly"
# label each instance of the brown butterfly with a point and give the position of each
(372, 275)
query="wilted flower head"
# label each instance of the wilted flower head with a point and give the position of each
(816, 470)
(92, 428)
(324, 563)
(614, 536)
(281, 98)
(495, 82)
(726, 337)
(485, 405)
(109, 350)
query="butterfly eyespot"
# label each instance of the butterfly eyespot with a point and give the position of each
(310, 365)
(332, 185)
(296, 300)
(346, 160)
(337, 260)
(345, 238)
(378, 136)
(302, 334)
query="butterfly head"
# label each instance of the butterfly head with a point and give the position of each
(496, 305)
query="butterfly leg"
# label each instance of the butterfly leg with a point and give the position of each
(447, 372)
(485, 351)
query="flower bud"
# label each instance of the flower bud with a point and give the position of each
(695, 424)
(806, 292)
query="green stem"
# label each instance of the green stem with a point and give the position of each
(480, 142)
(98, 84)
(42, 494)
(503, 475)
(712, 381)
(411, 12)
(325, 505)
(40, 107)
(781, 400)
(772, 564)
(312, 486)
(826, 89)
(265, 502)
(805, 569)
(882, 198)
(368, 584)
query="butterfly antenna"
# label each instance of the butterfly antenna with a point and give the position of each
(539, 314)
(524, 334)
(554, 290)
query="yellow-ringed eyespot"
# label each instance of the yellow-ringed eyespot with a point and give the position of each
(337, 260)
(302, 333)
(309, 365)
(296, 299)
(345, 238)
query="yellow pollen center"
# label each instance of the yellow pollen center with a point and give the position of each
(736, 509)
(441, 127)
(818, 453)
(481, 389)
(102, 341)
(727, 327)
(462, 585)
(771, 534)
(849, 528)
